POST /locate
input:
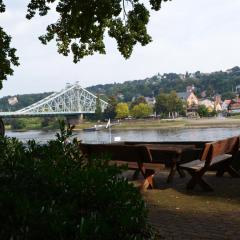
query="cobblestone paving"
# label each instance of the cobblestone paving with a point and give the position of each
(179, 214)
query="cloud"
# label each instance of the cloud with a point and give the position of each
(187, 36)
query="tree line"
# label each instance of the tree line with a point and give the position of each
(220, 82)
(166, 105)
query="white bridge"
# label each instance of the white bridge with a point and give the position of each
(73, 100)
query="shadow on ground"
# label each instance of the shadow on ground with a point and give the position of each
(180, 214)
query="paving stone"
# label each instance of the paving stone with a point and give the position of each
(209, 222)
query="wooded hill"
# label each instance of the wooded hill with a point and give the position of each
(24, 100)
(221, 82)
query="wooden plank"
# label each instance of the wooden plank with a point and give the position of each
(215, 153)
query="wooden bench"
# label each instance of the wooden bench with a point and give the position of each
(135, 157)
(198, 144)
(216, 155)
(187, 155)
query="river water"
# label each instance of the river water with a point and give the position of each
(188, 134)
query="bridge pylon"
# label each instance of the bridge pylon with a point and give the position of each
(74, 119)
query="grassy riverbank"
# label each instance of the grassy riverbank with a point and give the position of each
(176, 123)
(35, 124)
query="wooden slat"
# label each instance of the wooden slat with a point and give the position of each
(196, 164)
(134, 165)
(213, 155)
(220, 158)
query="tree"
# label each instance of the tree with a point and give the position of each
(202, 111)
(7, 53)
(82, 25)
(110, 111)
(137, 101)
(168, 103)
(122, 110)
(228, 95)
(141, 110)
(17, 124)
(175, 104)
(98, 110)
(161, 103)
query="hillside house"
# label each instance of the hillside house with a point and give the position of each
(208, 104)
(225, 105)
(150, 101)
(218, 102)
(238, 89)
(234, 106)
(189, 97)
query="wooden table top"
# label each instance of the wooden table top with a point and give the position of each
(170, 148)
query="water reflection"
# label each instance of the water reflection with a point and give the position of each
(191, 134)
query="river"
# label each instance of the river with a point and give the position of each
(187, 134)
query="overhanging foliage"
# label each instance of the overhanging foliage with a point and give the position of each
(82, 25)
(7, 53)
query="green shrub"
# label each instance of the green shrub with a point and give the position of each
(17, 124)
(52, 192)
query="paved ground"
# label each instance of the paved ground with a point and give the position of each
(180, 214)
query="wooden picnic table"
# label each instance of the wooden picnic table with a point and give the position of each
(144, 158)
(170, 155)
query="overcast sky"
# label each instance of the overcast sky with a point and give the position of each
(187, 36)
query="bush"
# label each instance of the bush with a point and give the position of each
(141, 110)
(17, 124)
(52, 192)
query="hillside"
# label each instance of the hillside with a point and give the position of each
(221, 82)
(24, 100)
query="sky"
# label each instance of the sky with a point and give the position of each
(187, 35)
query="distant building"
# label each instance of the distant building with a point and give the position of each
(208, 104)
(233, 70)
(203, 94)
(12, 101)
(189, 97)
(182, 76)
(234, 106)
(218, 102)
(225, 105)
(120, 96)
(217, 99)
(238, 89)
(150, 100)
(159, 77)
(190, 88)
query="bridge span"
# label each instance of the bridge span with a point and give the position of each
(71, 102)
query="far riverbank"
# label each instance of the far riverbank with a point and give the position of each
(135, 124)
(171, 123)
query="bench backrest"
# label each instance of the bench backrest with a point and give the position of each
(117, 152)
(198, 144)
(217, 148)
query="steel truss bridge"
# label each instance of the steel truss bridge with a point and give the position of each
(71, 101)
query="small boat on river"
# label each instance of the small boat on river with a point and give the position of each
(100, 127)
(94, 128)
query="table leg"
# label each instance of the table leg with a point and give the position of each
(136, 174)
(173, 168)
(2, 128)
(181, 172)
(172, 173)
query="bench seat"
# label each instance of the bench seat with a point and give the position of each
(198, 164)
(134, 165)
(216, 155)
